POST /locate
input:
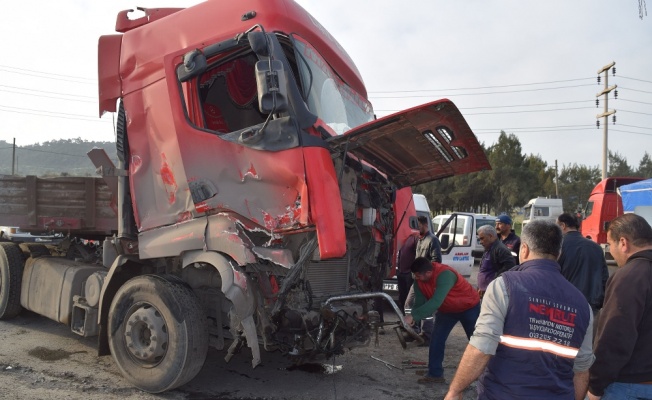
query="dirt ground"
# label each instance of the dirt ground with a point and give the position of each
(42, 359)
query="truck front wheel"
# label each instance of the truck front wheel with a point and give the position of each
(158, 332)
(11, 277)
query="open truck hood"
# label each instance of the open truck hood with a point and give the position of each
(419, 145)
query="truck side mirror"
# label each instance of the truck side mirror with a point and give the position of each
(272, 86)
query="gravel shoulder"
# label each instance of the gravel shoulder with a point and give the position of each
(40, 359)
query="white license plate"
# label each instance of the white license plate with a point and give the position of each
(390, 286)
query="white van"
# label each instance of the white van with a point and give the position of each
(542, 208)
(458, 237)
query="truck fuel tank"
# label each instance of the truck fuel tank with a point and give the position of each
(49, 284)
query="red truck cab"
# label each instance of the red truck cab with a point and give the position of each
(259, 200)
(603, 206)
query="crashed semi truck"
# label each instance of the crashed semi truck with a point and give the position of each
(256, 199)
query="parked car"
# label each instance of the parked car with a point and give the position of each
(14, 234)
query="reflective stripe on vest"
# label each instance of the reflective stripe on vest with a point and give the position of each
(539, 345)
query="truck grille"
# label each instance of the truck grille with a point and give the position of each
(328, 278)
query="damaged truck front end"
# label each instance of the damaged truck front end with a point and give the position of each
(253, 170)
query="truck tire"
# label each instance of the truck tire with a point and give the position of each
(11, 278)
(158, 333)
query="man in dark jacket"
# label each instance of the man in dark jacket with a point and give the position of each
(623, 343)
(428, 245)
(507, 236)
(582, 262)
(496, 258)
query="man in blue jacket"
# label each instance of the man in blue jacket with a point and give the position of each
(533, 339)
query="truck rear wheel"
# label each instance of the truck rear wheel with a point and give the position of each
(11, 277)
(158, 332)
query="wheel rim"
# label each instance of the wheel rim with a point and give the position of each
(146, 335)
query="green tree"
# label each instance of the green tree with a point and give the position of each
(618, 165)
(509, 172)
(645, 167)
(539, 178)
(576, 183)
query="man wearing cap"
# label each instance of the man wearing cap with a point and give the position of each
(507, 236)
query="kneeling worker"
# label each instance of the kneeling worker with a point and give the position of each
(441, 289)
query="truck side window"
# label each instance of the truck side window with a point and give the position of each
(225, 97)
(228, 95)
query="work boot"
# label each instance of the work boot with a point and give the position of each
(431, 379)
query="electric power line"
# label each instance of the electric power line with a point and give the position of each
(50, 152)
(49, 75)
(637, 127)
(542, 127)
(636, 133)
(634, 101)
(482, 87)
(633, 112)
(634, 79)
(509, 106)
(530, 111)
(62, 115)
(46, 96)
(44, 91)
(634, 90)
(483, 93)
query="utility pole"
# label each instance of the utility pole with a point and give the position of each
(556, 181)
(13, 159)
(606, 113)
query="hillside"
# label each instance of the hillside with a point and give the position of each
(53, 158)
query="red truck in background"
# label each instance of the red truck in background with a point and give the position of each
(603, 206)
(258, 199)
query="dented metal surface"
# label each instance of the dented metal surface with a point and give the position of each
(253, 183)
(305, 214)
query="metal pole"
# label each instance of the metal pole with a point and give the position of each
(556, 181)
(605, 126)
(604, 115)
(13, 159)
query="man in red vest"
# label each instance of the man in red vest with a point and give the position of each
(441, 289)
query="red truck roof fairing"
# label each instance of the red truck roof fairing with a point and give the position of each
(144, 46)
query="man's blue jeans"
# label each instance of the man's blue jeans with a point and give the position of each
(444, 323)
(627, 391)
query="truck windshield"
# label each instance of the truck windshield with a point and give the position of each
(333, 101)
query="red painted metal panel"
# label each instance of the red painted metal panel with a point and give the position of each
(144, 49)
(108, 63)
(325, 203)
(411, 148)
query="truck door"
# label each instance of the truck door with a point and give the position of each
(455, 252)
